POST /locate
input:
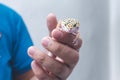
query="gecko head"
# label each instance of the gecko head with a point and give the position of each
(70, 25)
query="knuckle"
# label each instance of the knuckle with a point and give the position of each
(73, 54)
(40, 75)
(62, 71)
(80, 42)
(40, 58)
(76, 57)
(57, 48)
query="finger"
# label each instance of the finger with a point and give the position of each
(50, 64)
(39, 72)
(51, 21)
(67, 38)
(69, 55)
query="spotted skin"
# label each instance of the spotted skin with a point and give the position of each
(70, 25)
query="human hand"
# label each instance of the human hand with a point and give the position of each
(51, 68)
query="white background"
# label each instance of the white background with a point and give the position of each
(100, 30)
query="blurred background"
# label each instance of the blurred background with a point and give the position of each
(100, 29)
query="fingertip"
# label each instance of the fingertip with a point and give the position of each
(45, 41)
(34, 66)
(51, 15)
(31, 51)
(33, 63)
(51, 21)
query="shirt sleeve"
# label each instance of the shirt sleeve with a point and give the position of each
(21, 42)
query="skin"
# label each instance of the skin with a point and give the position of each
(59, 66)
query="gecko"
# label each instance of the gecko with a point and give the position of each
(70, 25)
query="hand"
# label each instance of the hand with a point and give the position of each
(51, 68)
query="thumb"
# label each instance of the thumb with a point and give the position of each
(51, 22)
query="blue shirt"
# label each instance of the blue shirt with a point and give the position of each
(14, 42)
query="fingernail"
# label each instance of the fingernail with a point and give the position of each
(45, 42)
(31, 50)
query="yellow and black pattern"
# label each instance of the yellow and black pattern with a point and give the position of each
(70, 25)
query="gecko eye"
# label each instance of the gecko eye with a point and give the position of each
(74, 25)
(65, 24)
